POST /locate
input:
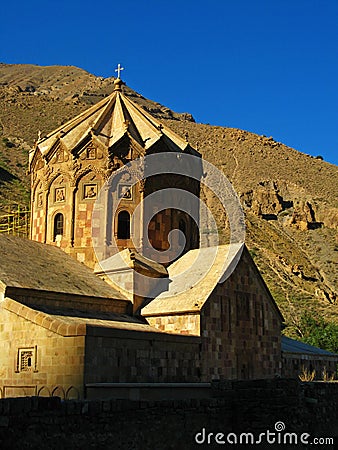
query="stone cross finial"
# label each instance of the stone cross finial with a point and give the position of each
(118, 70)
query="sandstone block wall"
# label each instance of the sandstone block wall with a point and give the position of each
(240, 329)
(187, 324)
(56, 362)
(293, 364)
(239, 326)
(129, 356)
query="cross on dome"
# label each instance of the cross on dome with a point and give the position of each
(118, 70)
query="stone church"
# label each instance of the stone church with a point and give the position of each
(70, 166)
(68, 322)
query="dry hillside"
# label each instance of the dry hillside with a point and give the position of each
(290, 199)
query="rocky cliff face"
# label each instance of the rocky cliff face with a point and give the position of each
(290, 199)
(272, 198)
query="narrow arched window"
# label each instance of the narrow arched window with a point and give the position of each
(123, 225)
(58, 225)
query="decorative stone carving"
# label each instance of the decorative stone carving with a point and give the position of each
(90, 191)
(74, 166)
(125, 191)
(60, 194)
(40, 200)
(47, 172)
(91, 151)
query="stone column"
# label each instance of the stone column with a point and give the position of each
(141, 229)
(46, 198)
(72, 204)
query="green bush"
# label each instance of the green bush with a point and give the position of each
(319, 333)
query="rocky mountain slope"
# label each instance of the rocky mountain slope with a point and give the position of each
(290, 199)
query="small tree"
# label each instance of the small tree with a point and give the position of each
(319, 333)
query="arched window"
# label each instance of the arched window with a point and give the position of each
(123, 225)
(58, 226)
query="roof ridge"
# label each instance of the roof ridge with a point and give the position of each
(113, 117)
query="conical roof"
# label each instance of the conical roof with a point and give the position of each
(110, 120)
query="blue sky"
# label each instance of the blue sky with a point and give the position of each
(266, 66)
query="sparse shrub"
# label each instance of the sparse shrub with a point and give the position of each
(320, 157)
(326, 376)
(253, 252)
(307, 375)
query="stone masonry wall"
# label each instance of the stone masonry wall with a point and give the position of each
(293, 364)
(188, 324)
(130, 356)
(236, 407)
(34, 359)
(240, 329)
(239, 326)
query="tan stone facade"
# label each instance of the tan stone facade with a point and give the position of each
(70, 166)
(294, 365)
(242, 324)
(239, 325)
(131, 356)
(64, 355)
(56, 343)
(62, 327)
(62, 202)
(55, 361)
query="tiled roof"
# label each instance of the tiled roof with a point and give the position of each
(32, 265)
(131, 259)
(193, 278)
(107, 122)
(74, 325)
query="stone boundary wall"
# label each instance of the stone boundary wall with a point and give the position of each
(235, 407)
(294, 363)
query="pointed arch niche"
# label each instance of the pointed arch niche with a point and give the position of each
(59, 211)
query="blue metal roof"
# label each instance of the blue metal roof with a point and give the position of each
(293, 346)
